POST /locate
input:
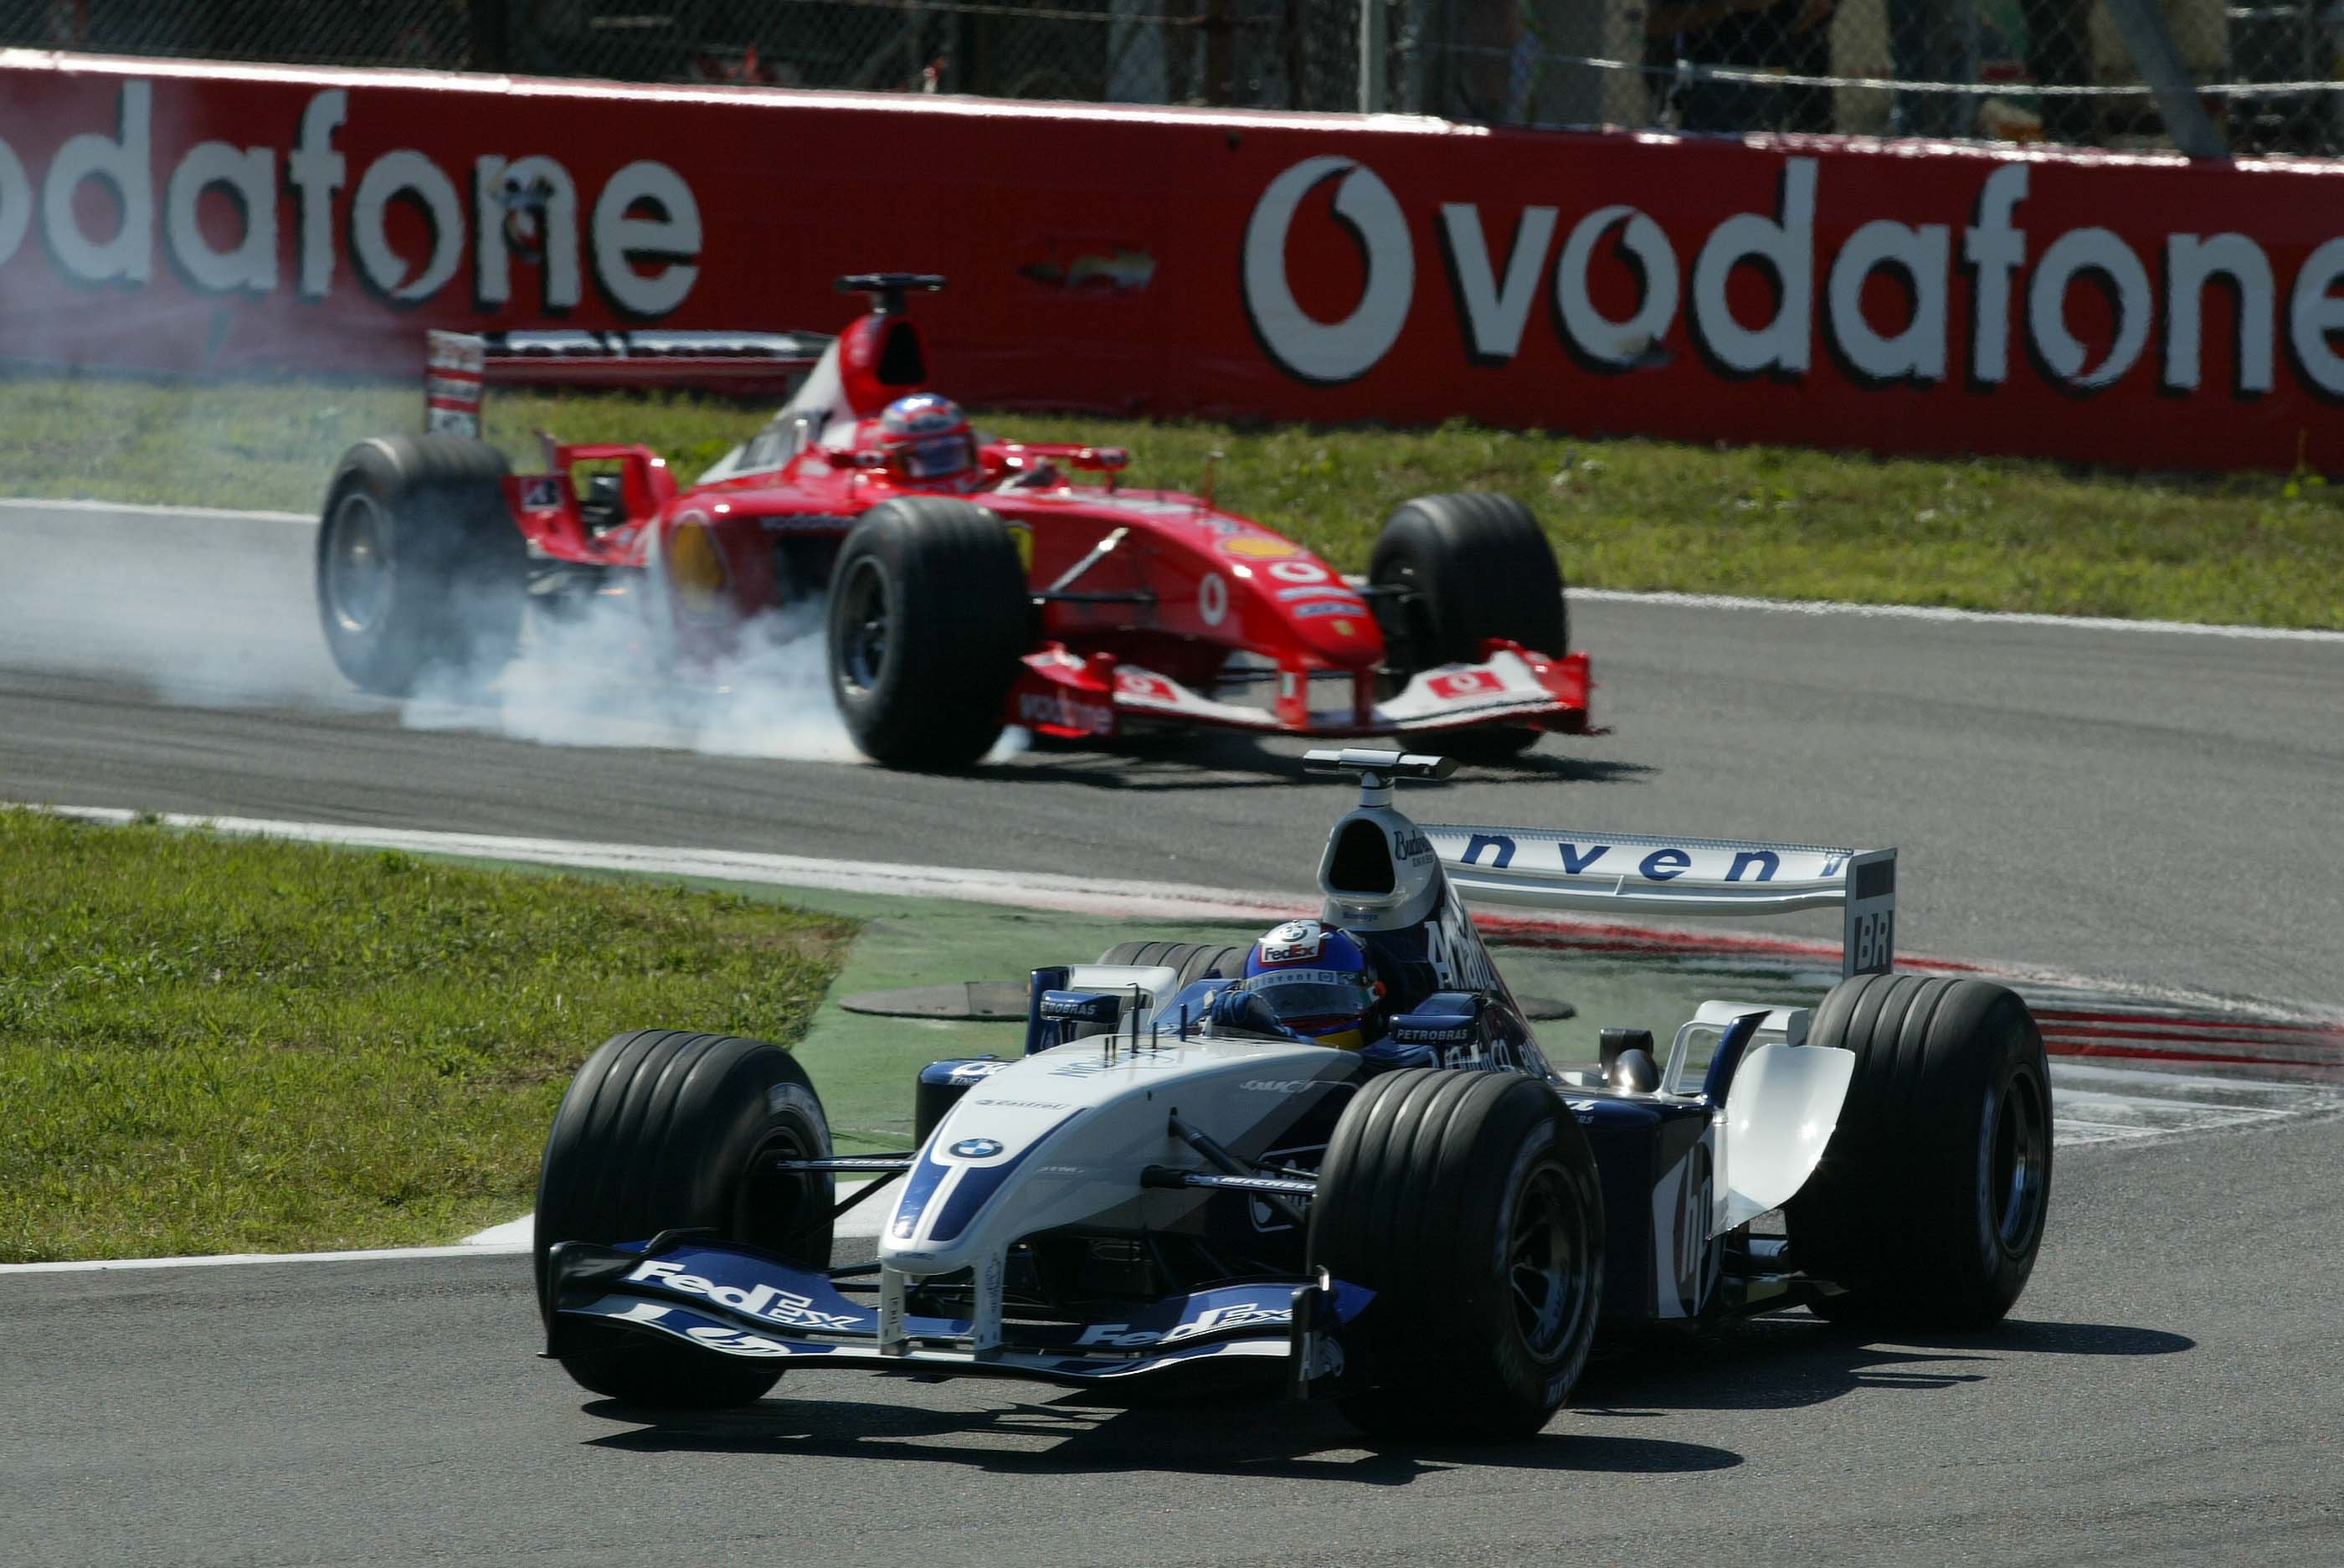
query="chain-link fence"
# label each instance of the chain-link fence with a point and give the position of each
(1262, 52)
(2203, 75)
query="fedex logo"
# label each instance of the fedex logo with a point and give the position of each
(1242, 1315)
(764, 1302)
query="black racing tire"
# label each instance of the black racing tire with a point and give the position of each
(929, 615)
(1468, 1202)
(1195, 961)
(419, 566)
(1929, 1204)
(1477, 566)
(666, 1129)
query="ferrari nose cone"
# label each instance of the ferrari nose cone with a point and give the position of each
(1334, 622)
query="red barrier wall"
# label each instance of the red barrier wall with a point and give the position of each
(2142, 311)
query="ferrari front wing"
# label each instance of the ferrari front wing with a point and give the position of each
(1071, 698)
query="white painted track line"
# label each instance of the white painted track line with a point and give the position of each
(1662, 597)
(511, 1238)
(160, 513)
(1943, 613)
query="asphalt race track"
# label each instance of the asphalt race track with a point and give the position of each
(2144, 806)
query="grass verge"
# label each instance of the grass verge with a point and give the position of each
(211, 1045)
(1981, 533)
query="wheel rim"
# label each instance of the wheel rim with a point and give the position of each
(357, 563)
(1547, 1264)
(863, 621)
(772, 1207)
(1408, 634)
(2014, 1167)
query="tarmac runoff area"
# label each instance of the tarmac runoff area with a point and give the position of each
(2127, 1066)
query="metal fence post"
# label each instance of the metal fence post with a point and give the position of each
(2159, 63)
(1373, 99)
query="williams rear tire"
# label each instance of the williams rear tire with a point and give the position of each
(1929, 1204)
(665, 1130)
(420, 569)
(928, 618)
(1468, 1202)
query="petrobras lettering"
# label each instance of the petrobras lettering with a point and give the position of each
(767, 1302)
(637, 237)
(1277, 1086)
(2020, 269)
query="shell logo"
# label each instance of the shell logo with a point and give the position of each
(1021, 534)
(1258, 547)
(696, 566)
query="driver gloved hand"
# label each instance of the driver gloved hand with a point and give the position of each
(1237, 1009)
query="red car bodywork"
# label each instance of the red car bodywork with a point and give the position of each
(1148, 602)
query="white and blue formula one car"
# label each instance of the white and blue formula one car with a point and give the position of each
(1170, 1182)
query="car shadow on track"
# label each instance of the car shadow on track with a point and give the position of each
(1193, 761)
(1794, 1361)
(1267, 1440)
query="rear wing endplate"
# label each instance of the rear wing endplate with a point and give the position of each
(1620, 873)
(458, 364)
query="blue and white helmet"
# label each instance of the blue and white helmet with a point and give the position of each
(1316, 978)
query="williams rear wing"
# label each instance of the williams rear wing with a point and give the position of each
(1623, 874)
(458, 364)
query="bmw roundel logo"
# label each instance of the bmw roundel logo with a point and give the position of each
(976, 1148)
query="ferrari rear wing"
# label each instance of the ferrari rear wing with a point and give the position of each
(1624, 872)
(458, 364)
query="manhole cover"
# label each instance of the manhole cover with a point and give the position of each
(972, 1001)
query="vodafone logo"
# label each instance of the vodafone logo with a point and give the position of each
(1465, 683)
(1340, 350)
(305, 209)
(2020, 286)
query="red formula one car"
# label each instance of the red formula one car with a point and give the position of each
(970, 584)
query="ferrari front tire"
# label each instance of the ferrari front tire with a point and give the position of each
(1473, 567)
(665, 1130)
(1929, 1204)
(1468, 1202)
(419, 567)
(928, 619)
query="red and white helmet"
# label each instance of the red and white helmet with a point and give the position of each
(925, 440)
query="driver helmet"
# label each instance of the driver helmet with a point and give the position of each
(1316, 978)
(925, 440)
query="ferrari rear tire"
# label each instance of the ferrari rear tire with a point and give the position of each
(928, 618)
(1928, 1206)
(420, 569)
(665, 1130)
(1476, 566)
(1195, 961)
(1468, 1202)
